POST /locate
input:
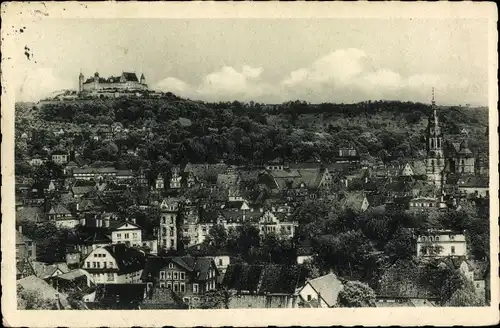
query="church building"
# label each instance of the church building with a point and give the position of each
(435, 161)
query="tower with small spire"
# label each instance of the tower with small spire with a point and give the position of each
(143, 79)
(435, 161)
(80, 82)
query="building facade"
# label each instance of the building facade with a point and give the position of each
(127, 81)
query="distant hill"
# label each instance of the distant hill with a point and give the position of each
(251, 132)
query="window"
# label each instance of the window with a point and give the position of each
(126, 236)
(169, 285)
(220, 262)
(452, 249)
(95, 255)
(437, 238)
(195, 288)
(176, 287)
(309, 297)
(182, 275)
(176, 275)
(169, 275)
(183, 287)
(170, 265)
(98, 265)
(111, 276)
(135, 234)
(88, 264)
(162, 275)
(423, 250)
(94, 265)
(110, 264)
(118, 235)
(162, 285)
(171, 232)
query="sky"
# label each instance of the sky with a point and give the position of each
(264, 60)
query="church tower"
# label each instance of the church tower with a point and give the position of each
(80, 82)
(435, 161)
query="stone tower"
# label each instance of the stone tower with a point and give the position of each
(435, 161)
(96, 80)
(80, 82)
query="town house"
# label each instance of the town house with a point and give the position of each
(115, 264)
(188, 277)
(441, 243)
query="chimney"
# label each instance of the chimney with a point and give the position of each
(20, 229)
(77, 206)
(133, 220)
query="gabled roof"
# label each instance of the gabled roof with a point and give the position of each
(128, 259)
(264, 279)
(29, 213)
(115, 225)
(130, 77)
(353, 200)
(59, 209)
(328, 286)
(46, 291)
(199, 266)
(163, 298)
(82, 190)
(43, 270)
(473, 181)
(404, 279)
(120, 295)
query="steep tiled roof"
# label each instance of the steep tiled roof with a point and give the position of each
(120, 295)
(43, 270)
(46, 291)
(59, 209)
(29, 213)
(328, 286)
(130, 76)
(274, 279)
(473, 181)
(163, 298)
(404, 279)
(128, 259)
(198, 266)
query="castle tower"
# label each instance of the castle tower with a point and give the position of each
(96, 80)
(80, 82)
(435, 161)
(143, 79)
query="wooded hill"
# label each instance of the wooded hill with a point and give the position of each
(255, 133)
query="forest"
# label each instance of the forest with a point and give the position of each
(178, 131)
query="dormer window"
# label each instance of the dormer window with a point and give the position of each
(170, 265)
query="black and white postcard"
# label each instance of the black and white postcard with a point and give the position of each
(249, 164)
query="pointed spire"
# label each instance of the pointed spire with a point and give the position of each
(433, 100)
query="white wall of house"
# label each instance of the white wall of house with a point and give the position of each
(68, 224)
(308, 294)
(302, 258)
(452, 244)
(477, 191)
(127, 233)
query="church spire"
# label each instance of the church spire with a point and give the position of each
(433, 100)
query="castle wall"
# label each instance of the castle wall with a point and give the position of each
(129, 85)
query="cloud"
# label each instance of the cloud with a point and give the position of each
(345, 75)
(37, 83)
(174, 85)
(226, 84)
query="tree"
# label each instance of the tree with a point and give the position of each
(402, 245)
(217, 237)
(348, 253)
(356, 294)
(464, 297)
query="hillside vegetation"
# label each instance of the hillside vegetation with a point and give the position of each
(243, 133)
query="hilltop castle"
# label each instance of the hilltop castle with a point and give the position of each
(126, 82)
